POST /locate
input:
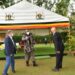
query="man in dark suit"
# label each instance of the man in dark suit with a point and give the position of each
(59, 48)
(10, 50)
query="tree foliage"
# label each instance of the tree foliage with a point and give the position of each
(6, 3)
(62, 7)
(48, 4)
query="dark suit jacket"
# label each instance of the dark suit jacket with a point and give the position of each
(59, 46)
(10, 48)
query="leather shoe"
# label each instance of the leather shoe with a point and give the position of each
(14, 71)
(4, 74)
(56, 70)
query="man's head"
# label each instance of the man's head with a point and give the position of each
(10, 33)
(28, 33)
(53, 29)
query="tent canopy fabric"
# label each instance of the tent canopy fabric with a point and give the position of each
(24, 15)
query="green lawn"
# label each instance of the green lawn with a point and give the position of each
(44, 68)
(40, 49)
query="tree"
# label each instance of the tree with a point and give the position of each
(49, 4)
(6, 3)
(39, 2)
(72, 20)
(1, 4)
(62, 7)
(29, 0)
(11, 2)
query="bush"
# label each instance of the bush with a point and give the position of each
(64, 36)
(41, 39)
(70, 44)
(17, 38)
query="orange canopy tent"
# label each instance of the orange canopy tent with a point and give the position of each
(33, 26)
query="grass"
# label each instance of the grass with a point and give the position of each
(44, 68)
(40, 49)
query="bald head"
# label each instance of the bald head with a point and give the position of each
(53, 29)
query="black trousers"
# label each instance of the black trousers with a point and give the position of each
(59, 59)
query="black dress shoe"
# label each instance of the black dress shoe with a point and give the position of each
(4, 74)
(60, 67)
(35, 65)
(56, 70)
(27, 63)
(14, 71)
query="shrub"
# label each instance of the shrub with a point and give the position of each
(70, 44)
(17, 38)
(64, 36)
(41, 39)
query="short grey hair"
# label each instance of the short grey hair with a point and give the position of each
(9, 31)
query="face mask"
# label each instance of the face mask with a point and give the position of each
(27, 33)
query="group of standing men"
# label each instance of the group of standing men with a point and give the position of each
(10, 49)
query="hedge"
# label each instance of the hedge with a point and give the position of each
(41, 39)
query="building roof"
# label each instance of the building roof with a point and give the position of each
(25, 13)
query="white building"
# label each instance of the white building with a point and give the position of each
(25, 15)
